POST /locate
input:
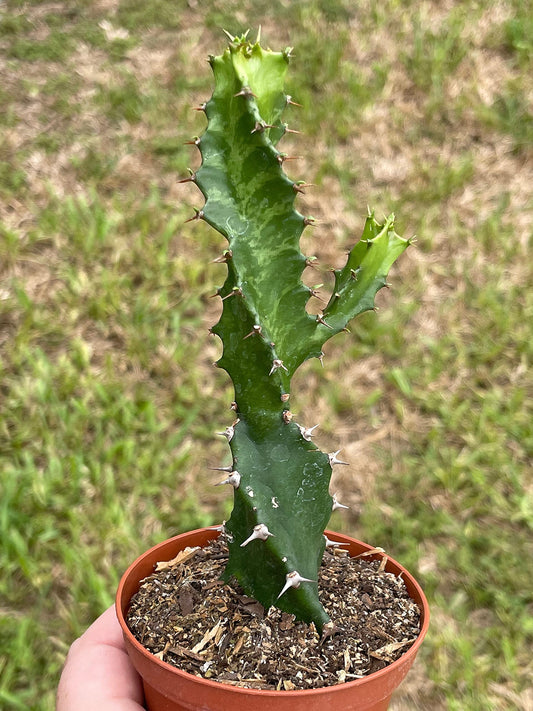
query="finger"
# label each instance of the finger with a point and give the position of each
(98, 675)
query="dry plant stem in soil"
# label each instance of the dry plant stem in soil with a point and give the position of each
(188, 617)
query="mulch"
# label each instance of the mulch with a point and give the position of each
(188, 617)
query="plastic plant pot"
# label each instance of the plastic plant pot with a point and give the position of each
(167, 688)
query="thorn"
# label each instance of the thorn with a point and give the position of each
(199, 108)
(282, 157)
(261, 126)
(321, 358)
(195, 142)
(309, 221)
(334, 544)
(274, 502)
(346, 330)
(221, 528)
(287, 416)
(299, 186)
(227, 254)
(290, 102)
(320, 319)
(316, 294)
(246, 92)
(198, 216)
(337, 295)
(234, 479)
(294, 580)
(221, 469)
(336, 505)
(260, 532)
(228, 432)
(333, 458)
(229, 36)
(276, 364)
(311, 262)
(290, 130)
(236, 290)
(307, 433)
(258, 40)
(190, 179)
(354, 273)
(234, 406)
(285, 397)
(287, 52)
(256, 331)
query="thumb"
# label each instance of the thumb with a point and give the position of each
(98, 675)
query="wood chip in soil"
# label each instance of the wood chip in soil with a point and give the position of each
(188, 617)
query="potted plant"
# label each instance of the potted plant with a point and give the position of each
(279, 478)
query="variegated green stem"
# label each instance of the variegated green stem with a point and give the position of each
(281, 480)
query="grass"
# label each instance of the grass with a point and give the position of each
(108, 398)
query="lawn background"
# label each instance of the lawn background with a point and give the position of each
(108, 398)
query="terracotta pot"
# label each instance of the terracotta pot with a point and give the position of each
(169, 689)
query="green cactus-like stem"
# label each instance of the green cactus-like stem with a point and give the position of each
(283, 479)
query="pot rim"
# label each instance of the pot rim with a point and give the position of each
(369, 678)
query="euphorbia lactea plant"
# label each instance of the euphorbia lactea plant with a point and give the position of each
(280, 479)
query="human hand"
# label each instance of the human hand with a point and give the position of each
(98, 675)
